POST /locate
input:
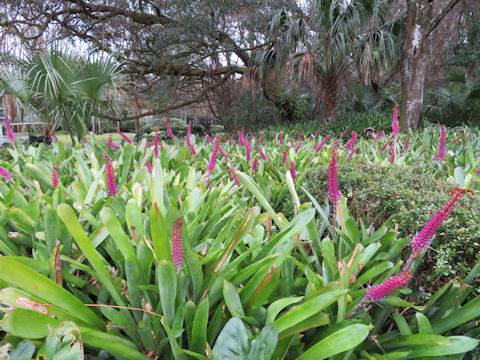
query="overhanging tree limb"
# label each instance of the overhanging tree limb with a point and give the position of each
(442, 13)
(177, 105)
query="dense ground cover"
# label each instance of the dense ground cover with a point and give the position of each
(228, 249)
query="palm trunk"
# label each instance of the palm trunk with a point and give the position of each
(331, 97)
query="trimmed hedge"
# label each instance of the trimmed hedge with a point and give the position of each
(409, 198)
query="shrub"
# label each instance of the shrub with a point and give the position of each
(376, 193)
(4, 154)
(352, 121)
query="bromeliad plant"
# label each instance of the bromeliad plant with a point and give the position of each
(190, 259)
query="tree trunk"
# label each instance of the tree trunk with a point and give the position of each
(330, 110)
(421, 22)
(413, 78)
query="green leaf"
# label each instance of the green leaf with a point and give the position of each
(167, 286)
(263, 346)
(307, 309)
(251, 186)
(396, 301)
(232, 299)
(115, 345)
(199, 329)
(312, 322)
(63, 343)
(24, 350)
(159, 234)
(40, 286)
(467, 312)
(277, 306)
(340, 341)
(402, 324)
(177, 351)
(456, 345)
(28, 324)
(424, 326)
(232, 343)
(460, 177)
(70, 220)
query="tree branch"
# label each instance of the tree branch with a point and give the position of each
(178, 105)
(442, 13)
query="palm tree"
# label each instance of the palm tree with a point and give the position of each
(62, 89)
(328, 42)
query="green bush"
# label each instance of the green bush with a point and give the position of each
(353, 121)
(4, 154)
(409, 198)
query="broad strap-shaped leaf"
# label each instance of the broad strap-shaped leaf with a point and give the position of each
(338, 342)
(42, 287)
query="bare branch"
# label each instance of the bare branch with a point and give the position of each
(442, 13)
(177, 105)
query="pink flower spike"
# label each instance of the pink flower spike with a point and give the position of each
(239, 138)
(333, 192)
(262, 154)
(192, 149)
(352, 141)
(84, 140)
(127, 139)
(110, 174)
(384, 147)
(155, 143)
(53, 137)
(189, 129)
(6, 175)
(300, 136)
(54, 177)
(248, 153)
(298, 146)
(169, 131)
(213, 158)
(111, 145)
(478, 170)
(223, 152)
(235, 178)
(232, 141)
(393, 151)
(457, 139)
(149, 166)
(425, 236)
(343, 133)
(395, 126)
(378, 136)
(260, 138)
(281, 139)
(247, 144)
(209, 139)
(148, 144)
(316, 132)
(255, 164)
(177, 244)
(378, 292)
(292, 170)
(251, 135)
(405, 145)
(225, 140)
(441, 150)
(324, 141)
(284, 158)
(9, 131)
(352, 153)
